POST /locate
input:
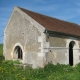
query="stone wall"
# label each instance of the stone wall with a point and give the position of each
(20, 31)
(57, 42)
(57, 50)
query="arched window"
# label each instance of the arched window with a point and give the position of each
(18, 52)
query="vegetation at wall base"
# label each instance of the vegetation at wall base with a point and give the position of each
(1, 53)
(50, 72)
(1, 49)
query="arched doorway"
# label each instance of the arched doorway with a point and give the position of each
(71, 45)
(18, 54)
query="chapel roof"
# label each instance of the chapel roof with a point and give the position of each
(53, 24)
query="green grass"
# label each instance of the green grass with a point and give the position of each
(50, 72)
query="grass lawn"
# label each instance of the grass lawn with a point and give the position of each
(51, 72)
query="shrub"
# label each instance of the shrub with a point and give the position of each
(1, 58)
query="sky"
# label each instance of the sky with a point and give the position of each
(68, 10)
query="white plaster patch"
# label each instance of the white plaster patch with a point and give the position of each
(40, 54)
(46, 50)
(39, 39)
(46, 45)
(55, 55)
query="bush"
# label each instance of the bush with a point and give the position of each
(1, 58)
(1, 51)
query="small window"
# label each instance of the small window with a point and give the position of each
(18, 52)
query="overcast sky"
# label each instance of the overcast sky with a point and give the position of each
(68, 10)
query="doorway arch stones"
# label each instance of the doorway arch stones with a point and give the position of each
(75, 52)
(17, 44)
